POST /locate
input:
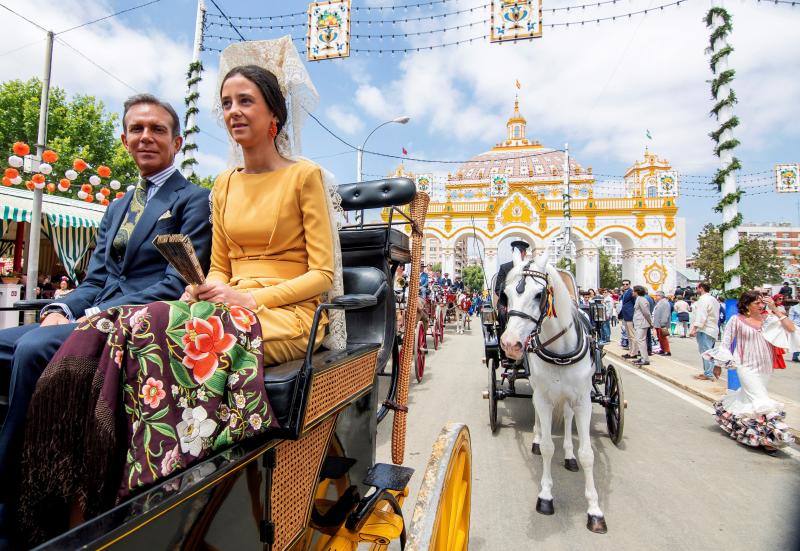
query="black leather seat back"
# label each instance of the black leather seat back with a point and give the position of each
(368, 325)
(389, 192)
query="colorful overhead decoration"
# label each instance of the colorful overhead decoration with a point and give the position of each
(328, 33)
(499, 187)
(424, 183)
(515, 20)
(667, 184)
(787, 178)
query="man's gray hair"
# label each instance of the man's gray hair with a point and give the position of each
(661, 293)
(152, 100)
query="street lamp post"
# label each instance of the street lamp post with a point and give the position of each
(360, 156)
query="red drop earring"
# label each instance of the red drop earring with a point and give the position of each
(273, 130)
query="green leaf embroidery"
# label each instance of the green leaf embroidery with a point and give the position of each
(147, 435)
(165, 429)
(158, 415)
(202, 310)
(216, 384)
(223, 439)
(178, 314)
(181, 374)
(241, 358)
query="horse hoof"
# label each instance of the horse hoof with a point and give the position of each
(535, 449)
(545, 506)
(597, 524)
(571, 465)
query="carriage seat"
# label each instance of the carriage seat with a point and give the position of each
(371, 239)
(362, 286)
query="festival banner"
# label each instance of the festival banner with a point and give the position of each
(328, 33)
(515, 20)
(667, 183)
(425, 183)
(499, 187)
(787, 178)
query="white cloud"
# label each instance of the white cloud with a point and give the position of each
(209, 164)
(344, 120)
(601, 86)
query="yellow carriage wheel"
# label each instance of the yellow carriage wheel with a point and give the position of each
(440, 521)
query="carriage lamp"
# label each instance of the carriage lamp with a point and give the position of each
(597, 311)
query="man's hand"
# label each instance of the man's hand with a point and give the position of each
(54, 318)
(693, 332)
(214, 291)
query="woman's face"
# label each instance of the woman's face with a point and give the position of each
(756, 308)
(246, 114)
(63, 285)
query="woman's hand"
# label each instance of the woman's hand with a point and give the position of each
(189, 294)
(215, 291)
(770, 304)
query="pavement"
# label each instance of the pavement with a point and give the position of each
(675, 481)
(680, 369)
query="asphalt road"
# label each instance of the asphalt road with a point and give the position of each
(675, 482)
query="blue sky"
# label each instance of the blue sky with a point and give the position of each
(597, 86)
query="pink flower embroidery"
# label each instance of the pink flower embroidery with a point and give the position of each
(118, 357)
(204, 339)
(137, 320)
(242, 318)
(153, 392)
(171, 461)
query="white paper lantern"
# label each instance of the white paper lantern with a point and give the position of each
(70, 174)
(114, 184)
(39, 185)
(15, 161)
(94, 179)
(63, 189)
(16, 181)
(45, 169)
(130, 188)
(82, 195)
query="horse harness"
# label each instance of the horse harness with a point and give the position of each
(533, 342)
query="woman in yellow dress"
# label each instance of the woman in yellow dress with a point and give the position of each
(272, 249)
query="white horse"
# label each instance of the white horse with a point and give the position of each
(539, 305)
(461, 314)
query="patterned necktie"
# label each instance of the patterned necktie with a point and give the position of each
(135, 210)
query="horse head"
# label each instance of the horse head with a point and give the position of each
(535, 291)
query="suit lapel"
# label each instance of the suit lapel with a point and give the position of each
(156, 206)
(120, 215)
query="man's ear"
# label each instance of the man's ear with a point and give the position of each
(177, 142)
(124, 139)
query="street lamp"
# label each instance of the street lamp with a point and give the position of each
(360, 155)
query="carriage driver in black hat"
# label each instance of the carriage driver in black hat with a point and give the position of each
(500, 282)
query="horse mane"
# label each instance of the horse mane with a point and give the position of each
(562, 301)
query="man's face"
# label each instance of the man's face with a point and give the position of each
(148, 138)
(626, 285)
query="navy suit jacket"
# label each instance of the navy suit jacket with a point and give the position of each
(628, 300)
(143, 275)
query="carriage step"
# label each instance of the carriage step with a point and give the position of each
(383, 477)
(388, 477)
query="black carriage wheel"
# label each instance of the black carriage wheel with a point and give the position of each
(392, 392)
(493, 395)
(441, 326)
(419, 352)
(615, 410)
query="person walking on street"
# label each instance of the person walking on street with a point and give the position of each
(661, 320)
(642, 322)
(626, 313)
(682, 310)
(705, 327)
(608, 305)
(794, 316)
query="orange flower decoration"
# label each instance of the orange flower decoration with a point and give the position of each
(64, 182)
(49, 156)
(29, 185)
(37, 178)
(203, 341)
(120, 195)
(11, 173)
(89, 198)
(105, 191)
(21, 149)
(7, 181)
(79, 165)
(103, 171)
(51, 188)
(87, 188)
(104, 202)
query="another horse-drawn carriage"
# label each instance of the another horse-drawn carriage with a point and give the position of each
(307, 484)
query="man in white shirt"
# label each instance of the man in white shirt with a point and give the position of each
(705, 326)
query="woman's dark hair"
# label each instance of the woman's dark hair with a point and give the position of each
(746, 299)
(639, 290)
(267, 83)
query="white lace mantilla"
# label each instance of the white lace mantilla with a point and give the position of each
(280, 57)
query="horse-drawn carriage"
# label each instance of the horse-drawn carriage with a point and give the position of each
(314, 482)
(606, 385)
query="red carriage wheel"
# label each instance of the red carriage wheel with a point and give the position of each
(419, 348)
(441, 325)
(435, 333)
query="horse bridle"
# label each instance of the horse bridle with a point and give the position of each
(533, 344)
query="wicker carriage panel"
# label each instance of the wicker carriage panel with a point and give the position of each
(294, 479)
(335, 386)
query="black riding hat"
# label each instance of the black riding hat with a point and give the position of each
(519, 244)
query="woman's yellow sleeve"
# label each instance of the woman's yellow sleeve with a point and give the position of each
(319, 248)
(220, 262)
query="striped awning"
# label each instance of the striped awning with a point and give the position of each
(16, 205)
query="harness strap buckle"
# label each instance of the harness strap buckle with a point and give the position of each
(391, 404)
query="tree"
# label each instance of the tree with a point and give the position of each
(436, 267)
(610, 275)
(472, 276)
(76, 128)
(566, 264)
(759, 259)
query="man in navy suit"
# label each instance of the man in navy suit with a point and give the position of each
(125, 268)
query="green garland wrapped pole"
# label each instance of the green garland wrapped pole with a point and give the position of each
(193, 78)
(719, 21)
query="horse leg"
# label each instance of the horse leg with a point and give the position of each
(569, 455)
(544, 411)
(537, 431)
(596, 522)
